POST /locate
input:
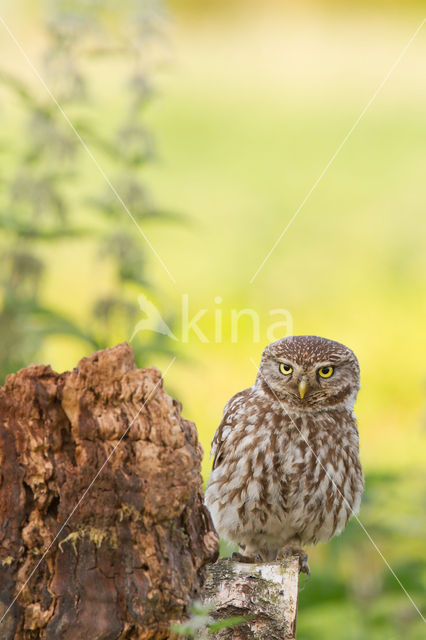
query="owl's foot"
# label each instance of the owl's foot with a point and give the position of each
(303, 565)
(239, 557)
(291, 550)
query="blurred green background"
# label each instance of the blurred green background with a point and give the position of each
(213, 121)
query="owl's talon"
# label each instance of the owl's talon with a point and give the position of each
(238, 557)
(295, 550)
(303, 565)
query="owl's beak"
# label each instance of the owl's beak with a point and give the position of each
(303, 387)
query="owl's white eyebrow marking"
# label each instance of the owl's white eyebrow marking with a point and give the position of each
(338, 150)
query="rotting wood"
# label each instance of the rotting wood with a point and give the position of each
(264, 594)
(131, 558)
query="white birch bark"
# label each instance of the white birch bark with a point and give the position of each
(264, 594)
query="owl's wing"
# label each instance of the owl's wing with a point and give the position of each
(229, 420)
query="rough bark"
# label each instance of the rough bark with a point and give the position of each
(264, 594)
(132, 555)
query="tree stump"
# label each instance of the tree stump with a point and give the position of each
(131, 555)
(265, 595)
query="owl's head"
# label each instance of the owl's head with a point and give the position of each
(309, 373)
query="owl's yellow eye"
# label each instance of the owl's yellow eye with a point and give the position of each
(286, 369)
(325, 372)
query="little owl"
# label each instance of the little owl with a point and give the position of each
(286, 470)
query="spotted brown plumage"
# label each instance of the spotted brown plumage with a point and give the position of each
(286, 468)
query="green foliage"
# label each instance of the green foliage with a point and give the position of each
(45, 197)
(200, 623)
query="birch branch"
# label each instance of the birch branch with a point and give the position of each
(264, 594)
